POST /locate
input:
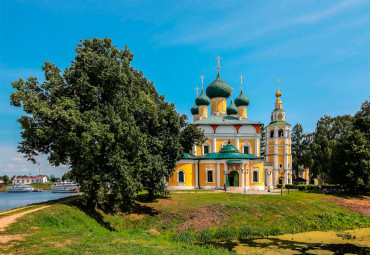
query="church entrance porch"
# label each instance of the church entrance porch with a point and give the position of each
(233, 179)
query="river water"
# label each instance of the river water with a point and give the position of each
(12, 200)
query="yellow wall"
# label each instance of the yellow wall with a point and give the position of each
(189, 169)
(242, 112)
(218, 104)
(203, 174)
(202, 111)
(260, 165)
(219, 143)
(252, 145)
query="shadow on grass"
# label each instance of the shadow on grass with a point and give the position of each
(92, 212)
(143, 198)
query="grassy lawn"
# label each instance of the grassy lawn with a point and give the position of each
(170, 225)
(44, 186)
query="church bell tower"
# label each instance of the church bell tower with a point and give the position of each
(278, 143)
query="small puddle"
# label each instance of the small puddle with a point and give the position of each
(347, 242)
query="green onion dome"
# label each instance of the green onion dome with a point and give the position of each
(242, 100)
(194, 110)
(218, 88)
(202, 99)
(231, 109)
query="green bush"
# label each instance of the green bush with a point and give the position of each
(279, 186)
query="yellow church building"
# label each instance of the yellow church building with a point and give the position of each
(231, 157)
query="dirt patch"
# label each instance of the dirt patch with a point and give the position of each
(360, 205)
(9, 238)
(135, 216)
(153, 232)
(204, 217)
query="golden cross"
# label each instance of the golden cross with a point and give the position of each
(202, 77)
(197, 90)
(278, 84)
(218, 60)
(241, 81)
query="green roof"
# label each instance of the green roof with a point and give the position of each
(202, 99)
(194, 110)
(189, 156)
(279, 110)
(231, 109)
(229, 152)
(278, 123)
(218, 88)
(242, 100)
(225, 120)
(234, 161)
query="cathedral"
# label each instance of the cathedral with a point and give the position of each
(231, 155)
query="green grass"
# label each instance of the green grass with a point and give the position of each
(74, 229)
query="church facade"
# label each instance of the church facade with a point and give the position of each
(231, 155)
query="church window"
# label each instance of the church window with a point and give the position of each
(246, 149)
(255, 176)
(181, 177)
(206, 149)
(281, 180)
(210, 172)
(271, 134)
(280, 133)
(209, 176)
(281, 165)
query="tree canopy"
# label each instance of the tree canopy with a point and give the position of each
(105, 120)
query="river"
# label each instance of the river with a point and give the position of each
(12, 200)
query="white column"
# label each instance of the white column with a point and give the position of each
(237, 143)
(255, 147)
(196, 174)
(276, 179)
(286, 176)
(258, 151)
(195, 150)
(247, 175)
(214, 145)
(243, 176)
(218, 175)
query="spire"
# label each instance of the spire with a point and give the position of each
(278, 94)
(197, 90)
(202, 77)
(218, 64)
(241, 82)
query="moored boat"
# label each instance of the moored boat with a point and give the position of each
(19, 188)
(65, 187)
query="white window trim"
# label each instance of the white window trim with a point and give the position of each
(210, 168)
(247, 144)
(256, 169)
(178, 182)
(206, 144)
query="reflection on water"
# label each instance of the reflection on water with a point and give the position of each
(348, 242)
(12, 200)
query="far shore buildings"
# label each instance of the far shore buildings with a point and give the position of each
(231, 157)
(29, 179)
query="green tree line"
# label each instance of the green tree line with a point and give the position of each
(106, 121)
(338, 150)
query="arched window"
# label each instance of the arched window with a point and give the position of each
(271, 134)
(246, 148)
(210, 173)
(280, 133)
(206, 148)
(181, 177)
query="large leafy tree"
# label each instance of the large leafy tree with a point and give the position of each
(297, 145)
(351, 155)
(105, 120)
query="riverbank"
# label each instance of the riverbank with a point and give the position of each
(44, 186)
(173, 224)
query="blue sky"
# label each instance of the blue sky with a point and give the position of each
(319, 49)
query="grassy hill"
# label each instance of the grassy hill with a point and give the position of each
(171, 225)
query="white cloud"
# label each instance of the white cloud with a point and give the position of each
(18, 159)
